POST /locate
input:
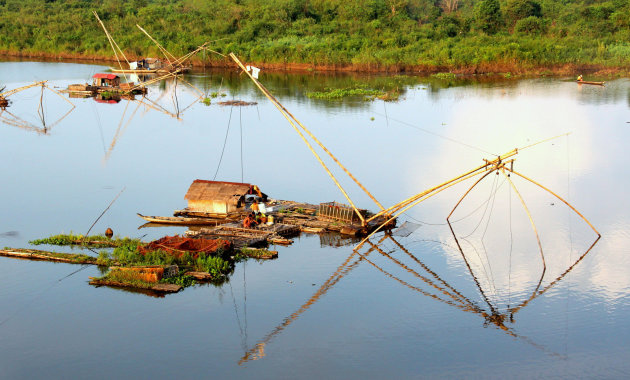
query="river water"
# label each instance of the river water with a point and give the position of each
(411, 305)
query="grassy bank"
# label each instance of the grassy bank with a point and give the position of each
(476, 36)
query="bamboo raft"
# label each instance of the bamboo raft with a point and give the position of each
(247, 237)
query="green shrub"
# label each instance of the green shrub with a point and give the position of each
(531, 25)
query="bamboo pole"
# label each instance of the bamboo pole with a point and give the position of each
(283, 109)
(531, 220)
(16, 90)
(466, 193)
(488, 163)
(472, 274)
(114, 45)
(162, 49)
(559, 197)
(415, 202)
(286, 116)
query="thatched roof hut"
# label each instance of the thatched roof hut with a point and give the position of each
(216, 197)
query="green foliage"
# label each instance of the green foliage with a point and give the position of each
(444, 75)
(371, 34)
(516, 10)
(531, 25)
(128, 255)
(183, 280)
(216, 266)
(339, 93)
(96, 241)
(488, 16)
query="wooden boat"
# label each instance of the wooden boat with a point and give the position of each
(134, 71)
(181, 220)
(589, 82)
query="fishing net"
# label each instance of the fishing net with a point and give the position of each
(406, 229)
(178, 245)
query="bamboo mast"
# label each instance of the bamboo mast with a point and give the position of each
(286, 112)
(289, 119)
(114, 45)
(16, 90)
(162, 49)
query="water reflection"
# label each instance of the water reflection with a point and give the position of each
(431, 285)
(45, 119)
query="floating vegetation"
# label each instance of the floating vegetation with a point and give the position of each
(340, 93)
(206, 101)
(34, 254)
(444, 76)
(95, 241)
(257, 253)
(237, 103)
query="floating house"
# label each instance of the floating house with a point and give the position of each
(219, 198)
(106, 80)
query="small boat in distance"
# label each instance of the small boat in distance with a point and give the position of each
(589, 82)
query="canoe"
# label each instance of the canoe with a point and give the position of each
(180, 220)
(588, 82)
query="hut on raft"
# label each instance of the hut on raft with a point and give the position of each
(218, 198)
(106, 80)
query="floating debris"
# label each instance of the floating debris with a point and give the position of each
(239, 103)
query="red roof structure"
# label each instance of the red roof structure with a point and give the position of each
(105, 76)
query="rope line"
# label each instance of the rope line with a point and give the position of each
(438, 135)
(224, 144)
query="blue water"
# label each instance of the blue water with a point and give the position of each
(385, 316)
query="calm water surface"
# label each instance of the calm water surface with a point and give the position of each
(410, 305)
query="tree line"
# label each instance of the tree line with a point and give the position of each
(370, 34)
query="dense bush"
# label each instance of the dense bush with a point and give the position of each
(488, 16)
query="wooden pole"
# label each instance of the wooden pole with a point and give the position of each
(16, 90)
(531, 221)
(113, 44)
(162, 49)
(415, 202)
(557, 196)
(286, 116)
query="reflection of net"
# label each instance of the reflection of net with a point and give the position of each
(177, 245)
(406, 229)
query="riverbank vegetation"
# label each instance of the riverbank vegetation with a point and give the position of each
(396, 35)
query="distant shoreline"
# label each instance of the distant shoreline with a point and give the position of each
(513, 68)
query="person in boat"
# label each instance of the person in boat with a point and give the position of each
(263, 219)
(249, 221)
(254, 206)
(258, 217)
(579, 78)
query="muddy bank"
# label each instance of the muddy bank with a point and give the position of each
(514, 68)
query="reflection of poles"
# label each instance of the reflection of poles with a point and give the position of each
(423, 278)
(23, 124)
(531, 221)
(493, 317)
(119, 131)
(554, 282)
(258, 351)
(414, 258)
